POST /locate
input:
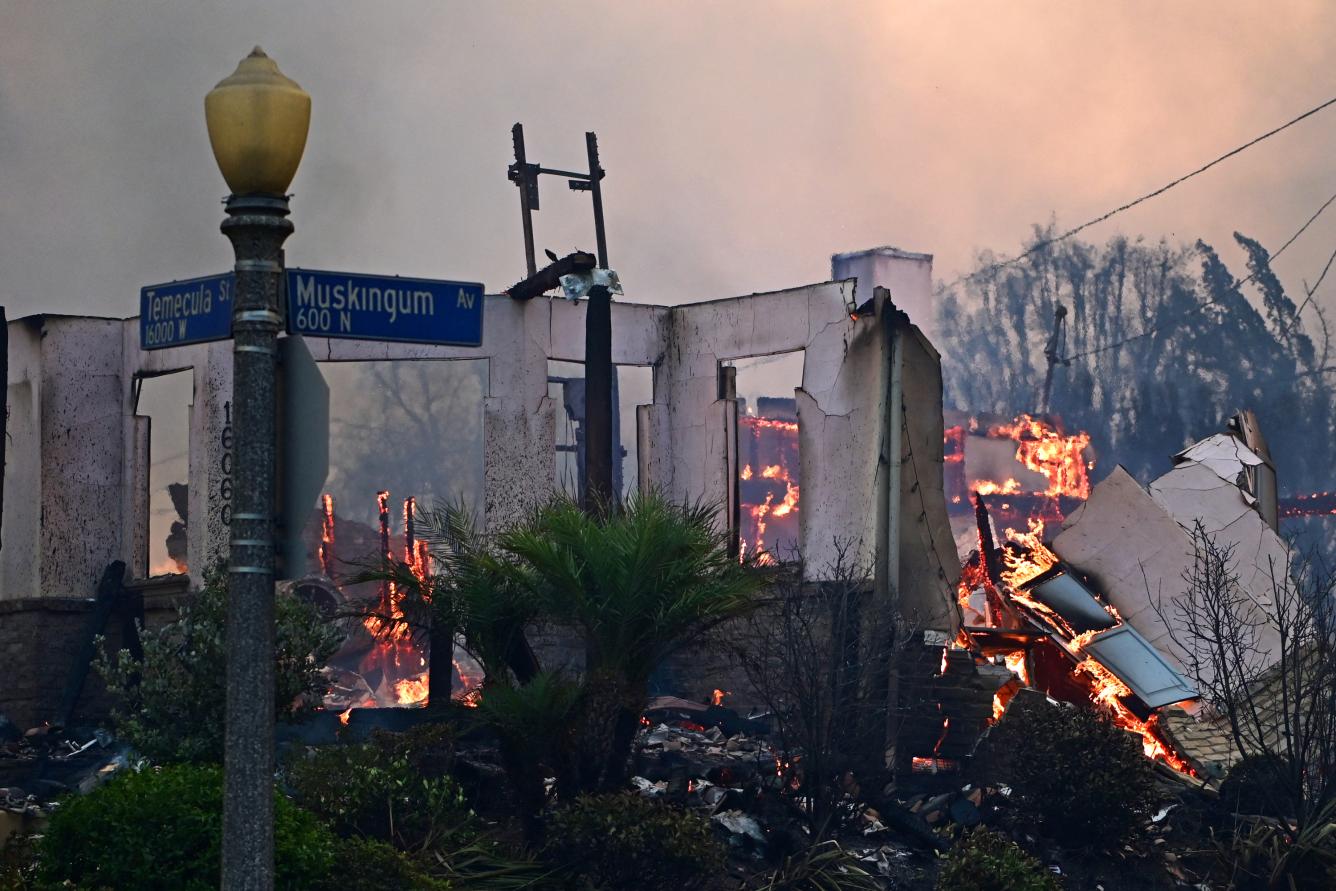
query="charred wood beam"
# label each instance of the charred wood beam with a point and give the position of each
(992, 558)
(549, 277)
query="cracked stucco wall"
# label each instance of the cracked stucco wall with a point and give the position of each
(64, 485)
(683, 432)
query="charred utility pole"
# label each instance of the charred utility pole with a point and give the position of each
(599, 493)
(1053, 353)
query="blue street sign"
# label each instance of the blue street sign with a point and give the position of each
(374, 307)
(192, 311)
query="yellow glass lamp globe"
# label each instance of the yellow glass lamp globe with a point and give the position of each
(258, 120)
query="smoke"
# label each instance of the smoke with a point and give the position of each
(745, 142)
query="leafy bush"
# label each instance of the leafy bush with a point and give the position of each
(1079, 776)
(984, 860)
(625, 841)
(1262, 852)
(387, 789)
(171, 706)
(162, 829)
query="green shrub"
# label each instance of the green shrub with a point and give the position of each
(625, 841)
(364, 864)
(984, 860)
(171, 706)
(1079, 777)
(161, 830)
(392, 788)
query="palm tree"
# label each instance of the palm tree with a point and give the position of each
(635, 584)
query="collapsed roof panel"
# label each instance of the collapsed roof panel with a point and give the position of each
(1065, 595)
(1136, 543)
(1140, 666)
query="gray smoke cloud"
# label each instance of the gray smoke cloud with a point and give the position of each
(744, 141)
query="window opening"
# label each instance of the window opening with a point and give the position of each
(406, 439)
(165, 400)
(769, 484)
(632, 385)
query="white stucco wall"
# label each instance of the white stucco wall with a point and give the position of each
(86, 452)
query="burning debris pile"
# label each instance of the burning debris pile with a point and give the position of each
(384, 661)
(1025, 609)
(1039, 471)
(1080, 617)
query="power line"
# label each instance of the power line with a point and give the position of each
(1311, 291)
(1209, 303)
(1038, 246)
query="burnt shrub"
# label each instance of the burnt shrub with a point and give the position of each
(1078, 777)
(1258, 784)
(625, 841)
(161, 830)
(392, 788)
(985, 860)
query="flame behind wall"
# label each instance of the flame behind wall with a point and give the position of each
(769, 483)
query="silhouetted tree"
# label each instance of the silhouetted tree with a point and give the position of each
(1164, 343)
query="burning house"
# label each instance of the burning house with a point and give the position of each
(807, 467)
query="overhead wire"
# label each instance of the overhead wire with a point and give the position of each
(1202, 307)
(1044, 243)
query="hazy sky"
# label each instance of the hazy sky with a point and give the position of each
(744, 141)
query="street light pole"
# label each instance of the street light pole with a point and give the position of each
(256, 226)
(258, 120)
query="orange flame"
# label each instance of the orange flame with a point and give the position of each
(1108, 691)
(1016, 662)
(1028, 560)
(718, 697)
(780, 444)
(988, 487)
(412, 690)
(1047, 451)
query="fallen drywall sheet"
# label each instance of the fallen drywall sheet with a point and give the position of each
(1137, 546)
